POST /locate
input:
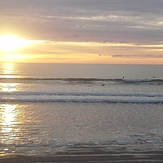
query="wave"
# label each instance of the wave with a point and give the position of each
(83, 80)
(132, 139)
(89, 94)
(79, 101)
(81, 97)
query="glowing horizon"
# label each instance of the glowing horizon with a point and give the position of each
(53, 32)
(16, 49)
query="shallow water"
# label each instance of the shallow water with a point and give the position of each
(56, 125)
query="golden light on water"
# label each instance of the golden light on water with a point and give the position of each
(8, 70)
(8, 114)
(9, 87)
(14, 124)
(8, 119)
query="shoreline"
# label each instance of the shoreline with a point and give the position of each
(93, 154)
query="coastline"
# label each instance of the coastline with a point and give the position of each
(93, 154)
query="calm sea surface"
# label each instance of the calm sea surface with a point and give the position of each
(50, 106)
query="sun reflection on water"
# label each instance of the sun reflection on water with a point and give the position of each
(8, 70)
(8, 120)
(9, 87)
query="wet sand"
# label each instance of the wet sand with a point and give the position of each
(89, 154)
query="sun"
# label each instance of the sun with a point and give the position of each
(10, 43)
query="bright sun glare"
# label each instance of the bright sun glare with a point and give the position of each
(11, 43)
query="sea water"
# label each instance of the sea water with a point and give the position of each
(51, 106)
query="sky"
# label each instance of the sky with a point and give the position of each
(84, 31)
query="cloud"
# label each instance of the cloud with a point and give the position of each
(127, 21)
(137, 56)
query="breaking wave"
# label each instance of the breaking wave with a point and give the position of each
(83, 97)
(83, 80)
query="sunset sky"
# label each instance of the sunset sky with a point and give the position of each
(82, 31)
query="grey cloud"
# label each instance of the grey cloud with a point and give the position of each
(137, 56)
(136, 21)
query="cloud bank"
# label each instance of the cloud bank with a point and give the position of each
(134, 22)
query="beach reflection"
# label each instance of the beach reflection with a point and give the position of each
(8, 87)
(8, 122)
(18, 124)
(8, 70)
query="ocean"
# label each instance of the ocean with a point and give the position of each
(48, 107)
